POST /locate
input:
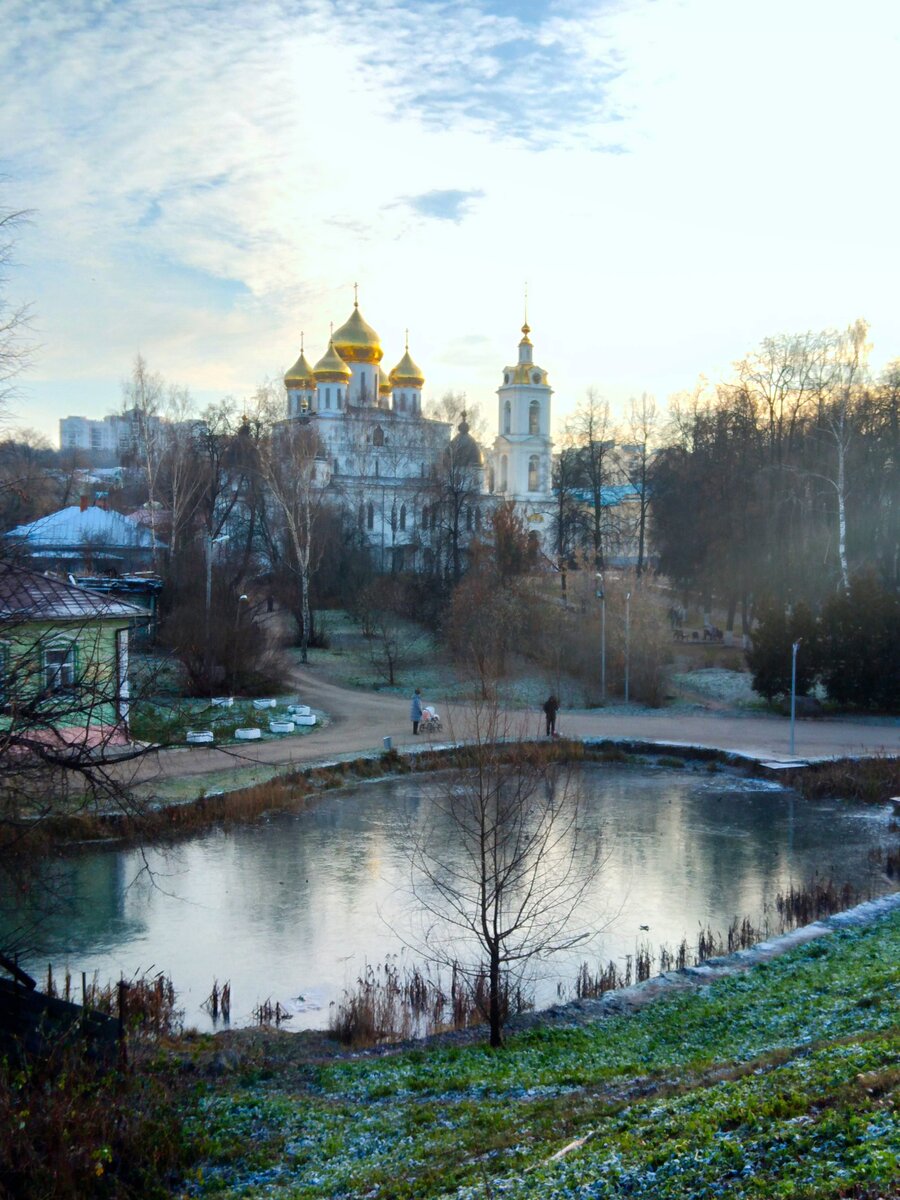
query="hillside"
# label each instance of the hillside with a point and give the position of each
(779, 1081)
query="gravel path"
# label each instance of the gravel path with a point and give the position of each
(359, 721)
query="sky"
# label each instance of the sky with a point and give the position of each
(671, 180)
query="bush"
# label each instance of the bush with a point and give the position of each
(770, 657)
(860, 632)
(84, 1131)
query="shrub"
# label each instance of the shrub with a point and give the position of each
(861, 647)
(770, 657)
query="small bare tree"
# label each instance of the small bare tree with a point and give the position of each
(512, 886)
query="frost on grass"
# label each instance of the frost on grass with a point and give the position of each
(732, 687)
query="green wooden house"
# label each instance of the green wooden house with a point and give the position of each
(63, 661)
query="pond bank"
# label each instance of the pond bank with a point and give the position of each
(295, 788)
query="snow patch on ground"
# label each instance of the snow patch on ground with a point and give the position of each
(719, 684)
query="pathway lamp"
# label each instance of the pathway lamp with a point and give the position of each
(210, 542)
(601, 596)
(794, 648)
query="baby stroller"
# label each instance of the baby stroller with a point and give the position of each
(431, 721)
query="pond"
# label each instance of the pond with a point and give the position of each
(291, 908)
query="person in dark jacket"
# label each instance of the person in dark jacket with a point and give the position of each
(415, 710)
(551, 708)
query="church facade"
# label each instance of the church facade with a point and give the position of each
(408, 478)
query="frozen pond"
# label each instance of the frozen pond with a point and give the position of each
(295, 905)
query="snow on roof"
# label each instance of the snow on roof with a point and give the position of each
(28, 594)
(74, 527)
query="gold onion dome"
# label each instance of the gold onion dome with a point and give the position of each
(331, 368)
(357, 342)
(385, 387)
(301, 374)
(406, 373)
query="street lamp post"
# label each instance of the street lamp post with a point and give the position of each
(210, 542)
(601, 596)
(627, 641)
(794, 648)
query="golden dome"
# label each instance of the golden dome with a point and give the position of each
(526, 373)
(357, 342)
(301, 374)
(385, 387)
(331, 368)
(406, 373)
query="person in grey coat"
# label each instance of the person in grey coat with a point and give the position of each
(415, 710)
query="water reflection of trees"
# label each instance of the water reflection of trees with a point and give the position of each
(293, 895)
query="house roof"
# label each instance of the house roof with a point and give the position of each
(74, 528)
(617, 493)
(28, 595)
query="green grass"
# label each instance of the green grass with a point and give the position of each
(779, 1082)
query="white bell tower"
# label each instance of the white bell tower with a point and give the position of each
(522, 449)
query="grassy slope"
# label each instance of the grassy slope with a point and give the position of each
(780, 1082)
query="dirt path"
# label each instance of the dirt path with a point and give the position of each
(359, 721)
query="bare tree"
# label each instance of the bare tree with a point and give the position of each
(592, 431)
(64, 749)
(851, 354)
(15, 347)
(642, 422)
(293, 468)
(521, 863)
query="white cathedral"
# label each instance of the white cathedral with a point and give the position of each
(383, 455)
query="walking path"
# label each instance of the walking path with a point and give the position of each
(359, 721)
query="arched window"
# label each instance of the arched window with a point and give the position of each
(377, 468)
(468, 518)
(370, 516)
(362, 514)
(534, 417)
(328, 397)
(401, 403)
(533, 473)
(378, 436)
(338, 390)
(478, 519)
(337, 467)
(402, 518)
(491, 479)
(424, 516)
(507, 417)
(504, 473)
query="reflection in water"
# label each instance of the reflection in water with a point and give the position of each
(294, 905)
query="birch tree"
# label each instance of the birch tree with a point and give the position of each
(292, 465)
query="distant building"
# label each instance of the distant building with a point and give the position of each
(82, 540)
(112, 436)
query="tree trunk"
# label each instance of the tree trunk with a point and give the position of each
(496, 1014)
(304, 601)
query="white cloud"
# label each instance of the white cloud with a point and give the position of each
(210, 178)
